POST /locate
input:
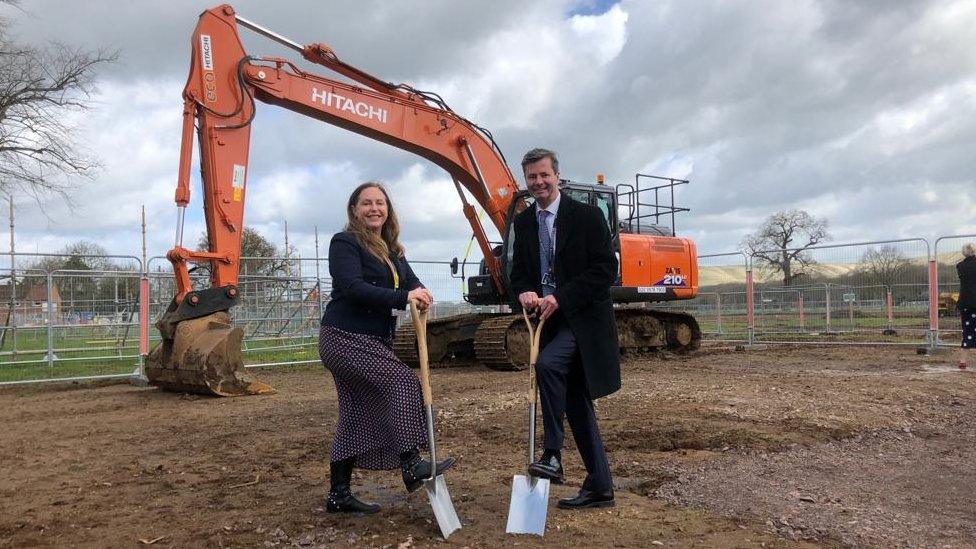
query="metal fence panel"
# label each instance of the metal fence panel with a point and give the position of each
(947, 251)
(69, 323)
(868, 292)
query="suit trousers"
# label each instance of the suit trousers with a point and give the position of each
(562, 388)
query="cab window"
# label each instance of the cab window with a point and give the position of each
(578, 195)
(604, 201)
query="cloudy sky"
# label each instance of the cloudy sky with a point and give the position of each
(861, 112)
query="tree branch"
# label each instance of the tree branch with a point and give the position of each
(39, 89)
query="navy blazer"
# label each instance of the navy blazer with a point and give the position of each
(362, 289)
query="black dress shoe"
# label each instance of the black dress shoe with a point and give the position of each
(549, 467)
(587, 499)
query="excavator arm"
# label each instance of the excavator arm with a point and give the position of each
(219, 106)
(220, 93)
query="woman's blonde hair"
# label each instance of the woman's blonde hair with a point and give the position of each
(968, 249)
(380, 245)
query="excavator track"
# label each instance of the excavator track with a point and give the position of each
(405, 346)
(500, 341)
(449, 340)
(640, 329)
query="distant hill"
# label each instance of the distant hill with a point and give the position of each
(736, 274)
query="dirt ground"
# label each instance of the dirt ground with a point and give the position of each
(783, 447)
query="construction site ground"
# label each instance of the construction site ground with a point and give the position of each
(775, 447)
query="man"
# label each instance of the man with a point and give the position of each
(562, 268)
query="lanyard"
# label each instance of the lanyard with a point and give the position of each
(396, 275)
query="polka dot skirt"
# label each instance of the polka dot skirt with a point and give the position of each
(381, 409)
(969, 328)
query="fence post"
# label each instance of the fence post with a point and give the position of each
(827, 304)
(750, 304)
(799, 303)
(13, 307)
(318, 277)
(933, 304)
(143, 317)
(889, 305)
(718, 311)
(850, 309)
(50, 357)
(140, 373)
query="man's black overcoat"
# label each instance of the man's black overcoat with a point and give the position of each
(584, 267)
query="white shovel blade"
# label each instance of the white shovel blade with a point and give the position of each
(529, 506)
(440, 502)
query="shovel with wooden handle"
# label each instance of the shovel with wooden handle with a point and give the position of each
(530, 495)
(440, 499)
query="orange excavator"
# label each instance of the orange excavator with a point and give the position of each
(200, 348)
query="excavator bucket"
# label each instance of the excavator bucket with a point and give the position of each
(201, 355)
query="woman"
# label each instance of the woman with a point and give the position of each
(967, 301)
(381, 417)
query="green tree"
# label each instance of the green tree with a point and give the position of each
(88, 280)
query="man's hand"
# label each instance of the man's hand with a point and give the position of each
(548, 306)
(529, 301)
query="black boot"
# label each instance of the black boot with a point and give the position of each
(416, 470)
(341, 499)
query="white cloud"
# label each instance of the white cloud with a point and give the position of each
(605, 33)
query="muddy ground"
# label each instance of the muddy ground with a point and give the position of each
(783, 447)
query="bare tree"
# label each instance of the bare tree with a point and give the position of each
(782, 241)
(40, 88)
(885, 265)
(265, 258)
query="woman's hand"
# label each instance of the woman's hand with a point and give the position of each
(422, 296)
(529, 301)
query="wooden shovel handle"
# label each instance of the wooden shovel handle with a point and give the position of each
(535, 335)
(420, 328)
